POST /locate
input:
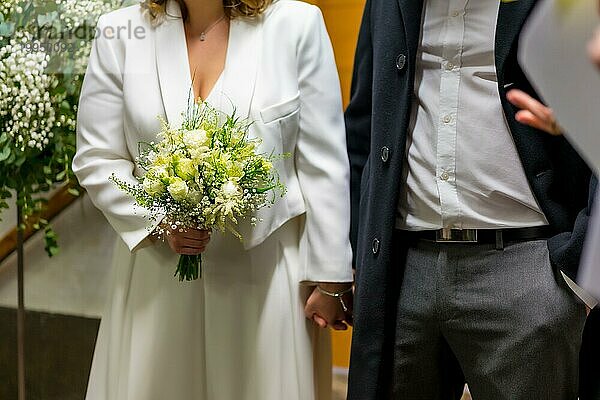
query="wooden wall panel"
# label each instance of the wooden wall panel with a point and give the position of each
(343, 22)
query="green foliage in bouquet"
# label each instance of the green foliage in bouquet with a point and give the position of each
(44, 48)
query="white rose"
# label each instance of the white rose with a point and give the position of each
(230, 189)
(186, 169)
(153, 186)
(195, 138)
(178, 189)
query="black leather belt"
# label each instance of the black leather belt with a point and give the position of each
(482, 236)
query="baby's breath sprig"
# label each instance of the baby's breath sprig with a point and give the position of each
(39, 92)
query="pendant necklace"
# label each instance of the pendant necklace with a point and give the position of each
(207, 30)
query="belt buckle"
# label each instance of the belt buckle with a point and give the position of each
(448, 235)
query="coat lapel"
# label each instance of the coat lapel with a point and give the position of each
(411, 11)
(511, 18)
(241, 67)
(173, 65)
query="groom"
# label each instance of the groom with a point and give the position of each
(466, 223)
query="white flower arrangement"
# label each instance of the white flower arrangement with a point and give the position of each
(77, 13)
(39, 91)
(9, 7)
(207, 174)
(27, 112)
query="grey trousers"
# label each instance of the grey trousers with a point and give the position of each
(505, 317)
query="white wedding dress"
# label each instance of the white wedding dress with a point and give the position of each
(238, 333)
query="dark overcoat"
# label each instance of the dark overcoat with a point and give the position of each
(377, 120)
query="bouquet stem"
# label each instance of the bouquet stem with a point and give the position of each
(189, 268)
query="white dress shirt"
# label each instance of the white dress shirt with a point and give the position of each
(462, 164)
(462, 167)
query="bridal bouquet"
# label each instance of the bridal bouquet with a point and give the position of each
(208, 174)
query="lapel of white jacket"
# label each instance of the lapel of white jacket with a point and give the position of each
(239, 76)
(173, 65)
(241, 68)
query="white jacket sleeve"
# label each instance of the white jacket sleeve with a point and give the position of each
(101, 144)
(321, 159)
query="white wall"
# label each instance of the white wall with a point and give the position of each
(75, 281)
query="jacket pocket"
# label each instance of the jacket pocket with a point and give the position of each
(281, 110)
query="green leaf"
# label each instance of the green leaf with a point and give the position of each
(47, 19)
(52, 251)
(61, 175)
(7, 28)
(4, 135)
(51, 242)
(11, 157)
(5, 153)
(19, 161)
(73, 192)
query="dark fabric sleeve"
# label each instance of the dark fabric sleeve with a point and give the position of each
(358, 118)
(565, 248)
(589, 368)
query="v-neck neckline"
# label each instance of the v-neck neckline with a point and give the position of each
(239, 76)
(189, 65)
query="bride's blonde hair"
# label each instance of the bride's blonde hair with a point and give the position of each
(233, 8)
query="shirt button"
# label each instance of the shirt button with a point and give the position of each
(447, 119)
(385, 154)
(401, 62)
(375, 246)
(449, 66)
(455, 13)
(445, 176)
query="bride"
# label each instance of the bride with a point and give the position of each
(251, 327)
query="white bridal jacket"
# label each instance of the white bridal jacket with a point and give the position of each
(280, 72)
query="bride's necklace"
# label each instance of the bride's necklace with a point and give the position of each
(210, 28)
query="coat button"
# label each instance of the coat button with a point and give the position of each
(401, 62)
(385, 154)
(375, 246)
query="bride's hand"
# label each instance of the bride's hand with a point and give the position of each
(326, 310)
(190, 242)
